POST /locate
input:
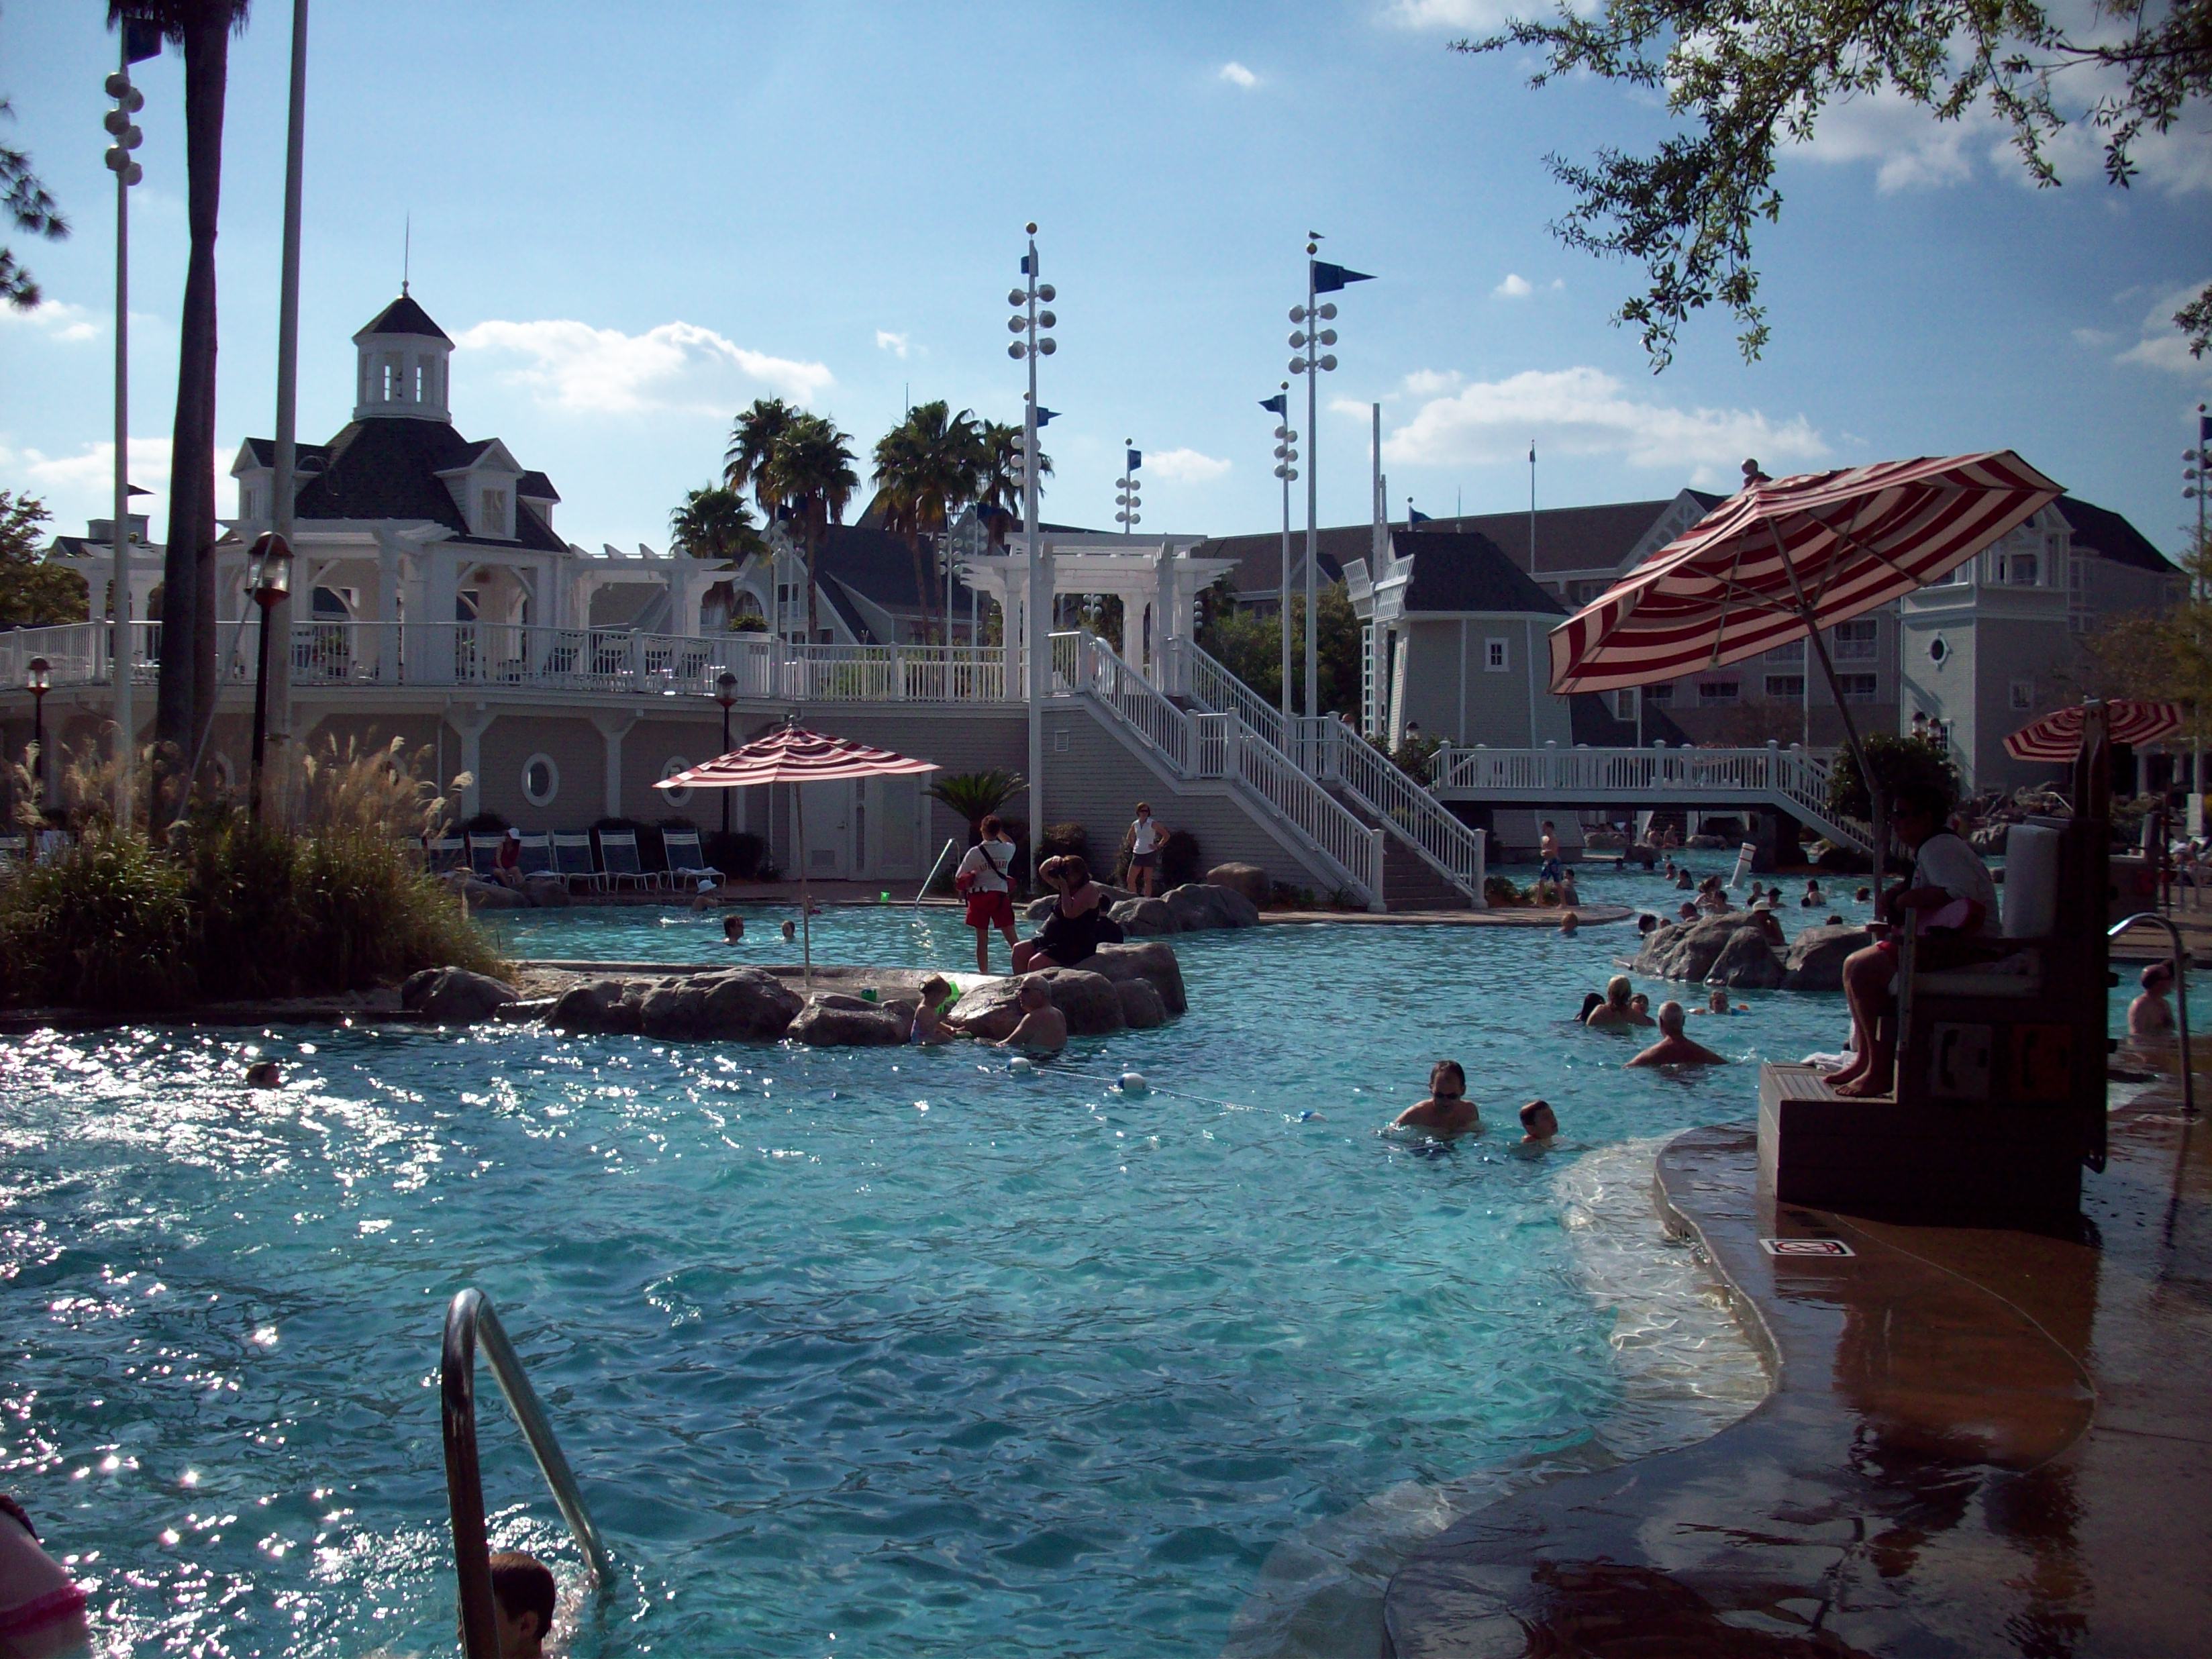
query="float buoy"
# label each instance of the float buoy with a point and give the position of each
(1020, 1064)
(1133, 1083)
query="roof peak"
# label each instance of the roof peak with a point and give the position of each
(404, 315)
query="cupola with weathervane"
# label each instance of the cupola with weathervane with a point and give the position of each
(401, 362)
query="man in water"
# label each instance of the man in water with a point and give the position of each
(2147, 1015)
(1674, 1048)
(1043, 1028)
(1539, 1126)
(1447, 1111)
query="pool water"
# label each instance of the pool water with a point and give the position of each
(855, 1353)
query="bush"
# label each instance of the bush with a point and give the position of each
(1901, 764)
(1500, 893)
(106, 924)
(1179, 857)
(737, 853)
(651, 855)
(483, 823)
(1061, 839)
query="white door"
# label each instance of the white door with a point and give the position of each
(827, 846)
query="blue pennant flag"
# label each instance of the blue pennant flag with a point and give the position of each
(1414, 516)
(1136, 459)
(141, 39)
(1329, 278)
(1025, 264)
(2203, 432)
(1278, 404)
(1045, 416)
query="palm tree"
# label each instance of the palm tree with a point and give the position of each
(999, 484)
(753, 438)
(715, 523)
(186, 693)
(810, 470)
(976, 795)
(929, 466)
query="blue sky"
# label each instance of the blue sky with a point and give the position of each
(636, 219)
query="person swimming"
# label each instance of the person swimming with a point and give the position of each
(790, 928)
(1615, 1009)
(1043, 1029)
(264, 1074)
(1569, 923)
(1447, 1111)
(733, 929)
(1590, 999)
(1674, 1048)
(1539, 1126)
(1716, 1002)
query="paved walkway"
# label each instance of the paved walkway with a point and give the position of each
(1979, 1443)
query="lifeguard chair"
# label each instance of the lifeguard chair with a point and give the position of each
(1999, 1099)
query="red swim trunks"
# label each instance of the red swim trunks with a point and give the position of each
(991, 909)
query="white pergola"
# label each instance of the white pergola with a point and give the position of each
(1155, 577)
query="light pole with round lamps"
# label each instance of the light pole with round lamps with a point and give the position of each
(272, 586)
(1286, 469)
(1313, 361)
(40, 681)
(1029, 323)
(725, 693)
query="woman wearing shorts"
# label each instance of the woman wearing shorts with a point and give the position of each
(982, 878)
(1144, 839)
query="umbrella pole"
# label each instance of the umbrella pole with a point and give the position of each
(1881, 807)
(805, 906)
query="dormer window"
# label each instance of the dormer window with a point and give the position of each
(491, 515)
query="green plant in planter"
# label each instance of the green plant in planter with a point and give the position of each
(1900, 764)
(976, 795)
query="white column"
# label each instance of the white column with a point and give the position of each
(614, 725)
(470, 723)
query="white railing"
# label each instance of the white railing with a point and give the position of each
(1219, 744)
(1794, 776)
(326, 653)
(1328, 750)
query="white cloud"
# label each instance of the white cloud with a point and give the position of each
(57, 318)
(1237, 76)
(896, 344)
(1481, 14)
(1515, 286)
(2164, 346)
(2095, 337)
(572, 366)
(1429, 382)
(81, 486)
(1585, 411)
(1183, 466)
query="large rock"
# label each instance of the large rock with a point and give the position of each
(1248, 879)
(1150, 961)
(598, 1004)
(1817, 955)
(1038, 908)
(1688, 950)
(1198, 905)
(834, 1020)
(546, 891)
(1141, 1006)
(745, 1003)
(485, 895)
(1145, 917)
(1747, 962)
(1091, 1002)
(454, 996)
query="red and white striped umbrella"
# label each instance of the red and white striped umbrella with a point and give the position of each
(2057, 736)
(792, 754)
(1788, 556)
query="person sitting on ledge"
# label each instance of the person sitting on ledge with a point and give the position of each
(1674, 1048)
(264, 1074)
(733, 929)
(1043, 1028)
(1615, 1009)
(1569, 895)
(1949, 901)
(523, 1597)
(1539, 1126)
(1077, 924)
(927, 1024)
(1769, 924)
(2147, 1015)
(507, 862)
(1447, 1111)
(1716, 1002)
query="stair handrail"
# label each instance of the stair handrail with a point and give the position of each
(1328, 826)
(1406, 808)
(1210, 682)
(471, 1324)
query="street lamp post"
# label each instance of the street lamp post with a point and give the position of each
(1286, 469)
(1128, 500)
(272, 586)
(2198, 473)
(138, 41)
(725, 693)
(1029, 322)
(1322, 277)
(276, 615)
(41, 682)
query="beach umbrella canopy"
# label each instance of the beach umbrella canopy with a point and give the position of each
(1785, 559)
(2057, 736)
(792, 754)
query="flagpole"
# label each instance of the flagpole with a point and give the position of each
(1313, 496)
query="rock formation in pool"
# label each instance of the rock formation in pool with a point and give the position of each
(1732, 949)
(1194, 907)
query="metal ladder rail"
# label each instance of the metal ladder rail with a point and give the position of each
(949, 842)
(471, 1324)
(2180, 994)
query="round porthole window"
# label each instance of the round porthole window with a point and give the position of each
(1938, 649)
(541, 780)
(669, 768)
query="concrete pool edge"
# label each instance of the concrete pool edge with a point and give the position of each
(1940, 1398)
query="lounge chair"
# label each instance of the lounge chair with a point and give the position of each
(687, 860)
(536, 855)
(447, 853)
(619, 863)
(484, 851)
(572, 859)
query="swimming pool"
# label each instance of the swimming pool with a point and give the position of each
(857, 1351)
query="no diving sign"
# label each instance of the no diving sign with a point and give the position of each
(1806, 1247)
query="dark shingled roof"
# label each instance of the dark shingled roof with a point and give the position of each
(873, 563)
(403, 316)
(388, 469)
(1591, 721)
(1258, 574)
(536, 486)
(2111, 536)
(304, 457)
(1457, 571)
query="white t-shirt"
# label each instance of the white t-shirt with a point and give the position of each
(1945, 861)
(988, 862)
(1147, 836)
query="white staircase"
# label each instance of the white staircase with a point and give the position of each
(1341, 760)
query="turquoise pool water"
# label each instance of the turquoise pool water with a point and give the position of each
(867, 1352)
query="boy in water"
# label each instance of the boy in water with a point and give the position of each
(523, 1596)
(1043, 1028)
(733, 929)
(1539, 1126)
(2147, 1015)
(1716, 1002)
(1447, 1111)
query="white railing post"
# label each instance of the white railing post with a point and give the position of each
(1375, 902)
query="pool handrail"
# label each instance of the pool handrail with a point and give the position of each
(2180, 996)
(471, 1324)
(950, 841)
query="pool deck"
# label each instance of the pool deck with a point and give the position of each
(1979, 1442)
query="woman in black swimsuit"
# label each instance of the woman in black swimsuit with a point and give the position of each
(1079, 923)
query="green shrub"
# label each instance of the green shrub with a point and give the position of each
(1900, 764)
(1179, 857)
(105, 923)
(1060, 839)
(737, 853)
